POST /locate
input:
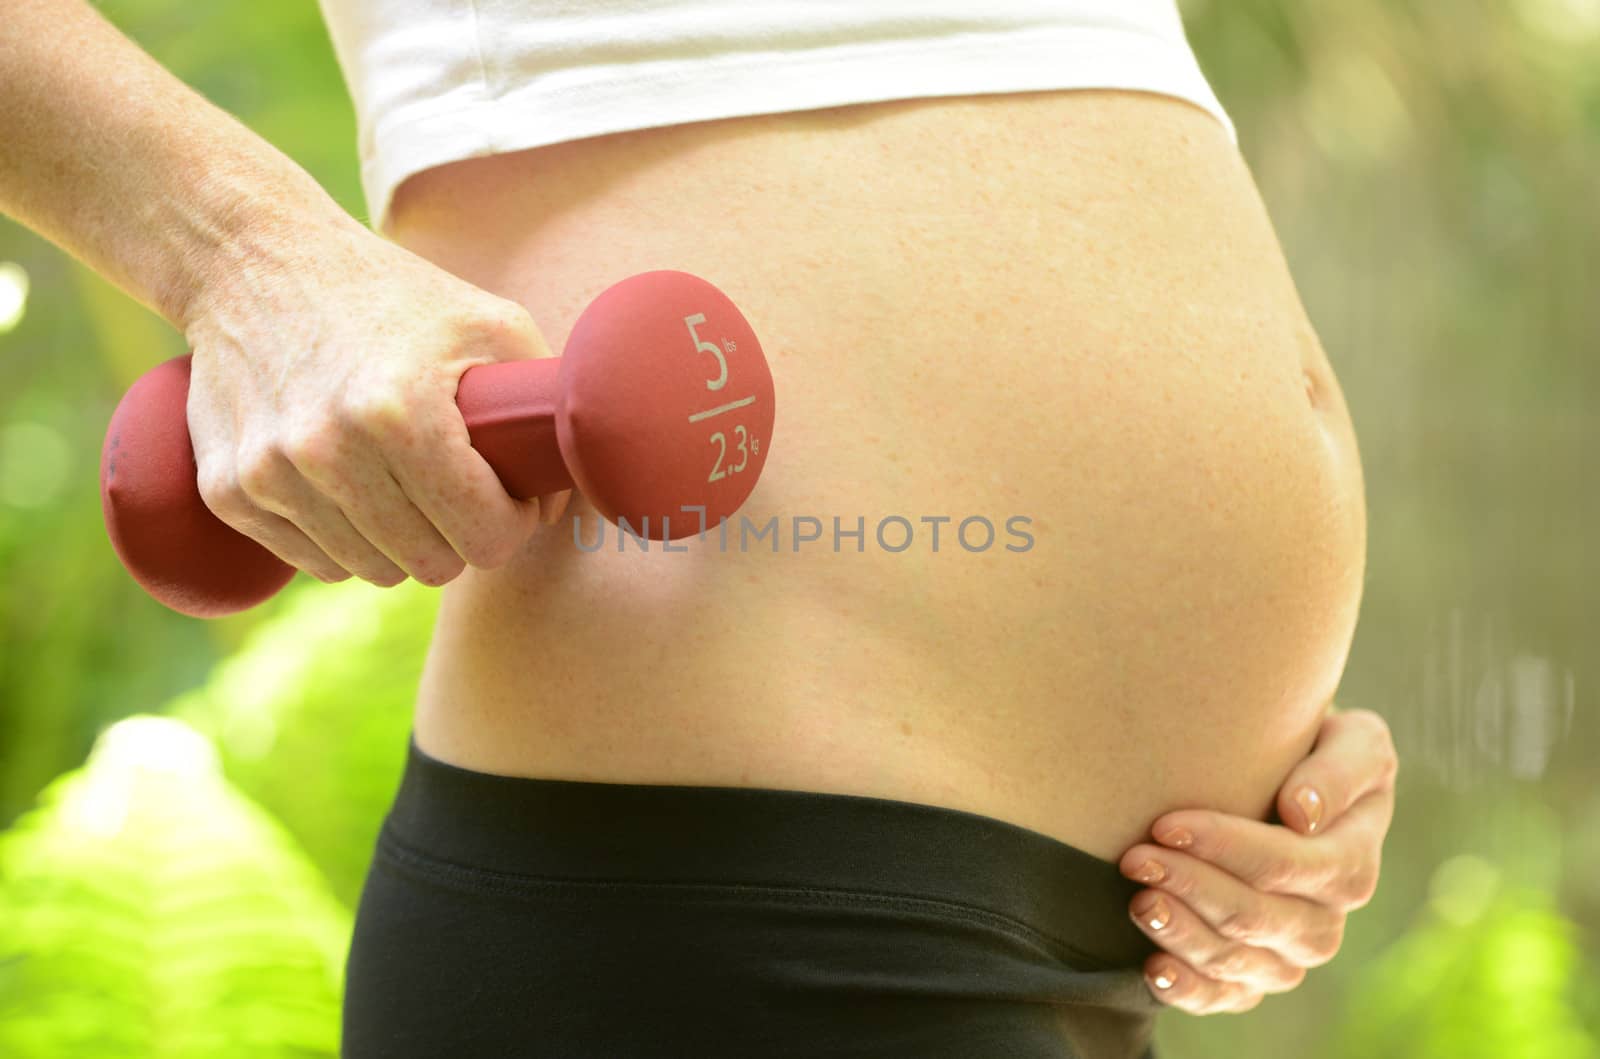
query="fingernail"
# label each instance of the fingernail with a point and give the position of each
(1150, 872)
(1310, 803)
(1152, 910)
(1163, 980)
(1177, 837)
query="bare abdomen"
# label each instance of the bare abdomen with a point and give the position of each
(1064, 308)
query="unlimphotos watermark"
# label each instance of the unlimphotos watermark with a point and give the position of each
(890, 533)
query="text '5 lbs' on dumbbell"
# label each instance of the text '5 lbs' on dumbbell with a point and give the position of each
(661, 401)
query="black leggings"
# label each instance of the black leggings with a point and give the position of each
(507, 916)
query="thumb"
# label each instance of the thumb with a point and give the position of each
(1353, 756)
(503, 330)
(553, 506)
(519, 337)
(527, 342)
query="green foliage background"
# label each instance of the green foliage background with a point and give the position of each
(1431, 166)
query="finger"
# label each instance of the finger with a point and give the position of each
(222, 496)
(454, 487)
(1336, 868)
(1362, 829)
(1353, 755)
(285, 540)
(553, 506)
(276, 485)
(299, 551)
(1173, 925)
(1302, 933)
(387, 518)
(1174, 982)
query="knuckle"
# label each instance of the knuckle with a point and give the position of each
(1381, 740)
(1175, 932)
(493, 320)
(1390, 757)
(1274, 874)
(219, 489)
(1335, 783)
(1227, 963)
(1239, 924)
(1326, 946)
(1214, 840)
(378, 411)
(1181, 884)
(1360, 885)
(260, 472)
(1364, 718)
(312, 449)
(510, 316)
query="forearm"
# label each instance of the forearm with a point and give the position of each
(114, 159)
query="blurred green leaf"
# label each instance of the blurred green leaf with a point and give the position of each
(149, 910)
(1488, 972)
(312, 714)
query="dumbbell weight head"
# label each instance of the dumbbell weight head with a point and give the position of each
(166, 537)
(666, 404)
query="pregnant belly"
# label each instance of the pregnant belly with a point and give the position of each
(1063, 316)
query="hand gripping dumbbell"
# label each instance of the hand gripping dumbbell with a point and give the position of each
(661, 404)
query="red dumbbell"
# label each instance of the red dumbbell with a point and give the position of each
(662, 401)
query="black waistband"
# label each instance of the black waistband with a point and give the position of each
(765, 836)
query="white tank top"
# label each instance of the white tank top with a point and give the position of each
(435, 81)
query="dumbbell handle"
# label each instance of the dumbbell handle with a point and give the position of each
(510, 411)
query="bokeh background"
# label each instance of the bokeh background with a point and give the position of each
(180, 883)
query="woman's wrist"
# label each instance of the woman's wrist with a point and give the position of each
(233, 232)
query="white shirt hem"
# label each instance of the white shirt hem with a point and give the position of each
(546, 111)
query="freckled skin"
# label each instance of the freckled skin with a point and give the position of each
(1068, 306)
